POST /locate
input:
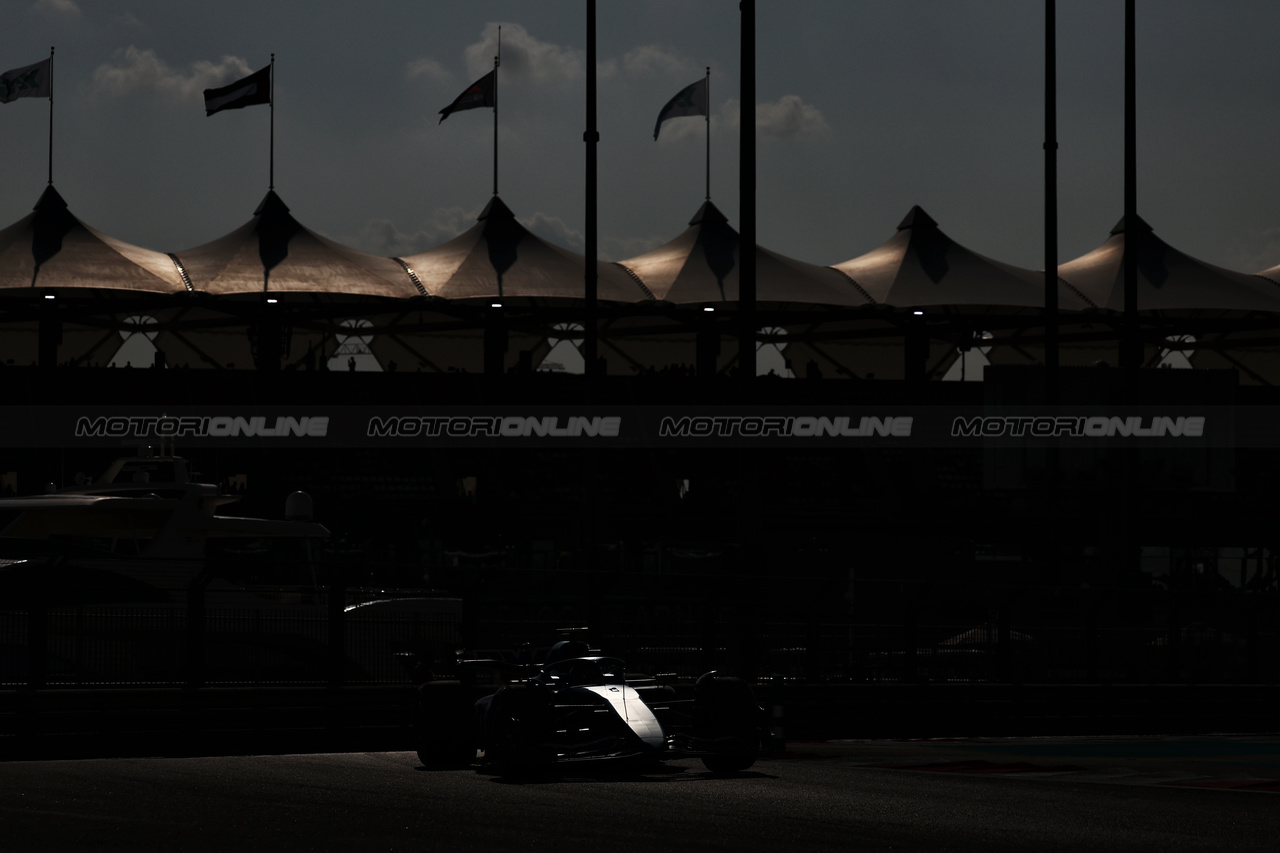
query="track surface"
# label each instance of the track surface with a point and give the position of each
(816, 797)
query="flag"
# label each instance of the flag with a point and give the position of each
(689, 101)
(246, 92)
(29, 81)
(482, 93)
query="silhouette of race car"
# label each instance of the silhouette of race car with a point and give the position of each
(577, 704)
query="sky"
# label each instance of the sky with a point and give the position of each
(864, 109)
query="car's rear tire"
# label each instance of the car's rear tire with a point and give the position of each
(726, 707)
(445, 725)
(728, 719)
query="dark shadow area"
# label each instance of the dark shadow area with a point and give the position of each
(620, 771)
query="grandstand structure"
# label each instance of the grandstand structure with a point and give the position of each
(911, 541)
(275, 295)
(840, 539)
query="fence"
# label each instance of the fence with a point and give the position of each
(242, 645)
(890, 634)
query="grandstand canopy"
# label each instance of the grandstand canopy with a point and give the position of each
(701, 265)
(499, 258)
(274, 253)
(51, 248)
(1167, 278)
(920, 266)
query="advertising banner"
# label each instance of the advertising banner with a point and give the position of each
(880, 426)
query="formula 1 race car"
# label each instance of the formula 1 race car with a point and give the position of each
(576, 705)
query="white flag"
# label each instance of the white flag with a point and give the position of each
(29, 81)
(689, 101)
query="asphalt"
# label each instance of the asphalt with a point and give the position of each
(1244, 762)
(796, 802)
(1021, 733)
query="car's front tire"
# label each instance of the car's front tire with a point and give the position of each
(517, 721)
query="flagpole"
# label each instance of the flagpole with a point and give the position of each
(1051, 201)
(1131, 349)
(708, 133)
(591, 137)
(50, 116)
(271, 164)
(747, 198)
(497, 61)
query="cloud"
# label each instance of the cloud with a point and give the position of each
(606, 69)
(523, 55)
(60, 7)
(527, 57)
(553, 229)
(786, 117)
(1262, 252)
(382, 237)
(433, 71)
(681, 128)
(622, 248)
(134, 70)
(130, 21)
(449, 222)
(650, 59)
